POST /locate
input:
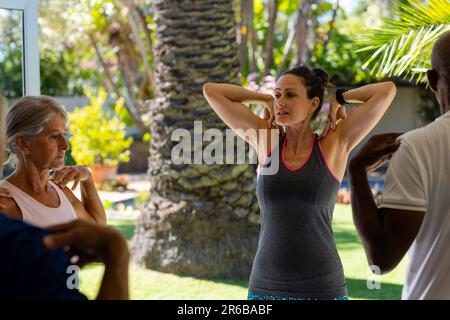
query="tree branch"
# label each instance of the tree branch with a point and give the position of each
(333, 20)
(130, 105)
(134, 18)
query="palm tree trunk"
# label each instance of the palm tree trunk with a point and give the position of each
(201, 219)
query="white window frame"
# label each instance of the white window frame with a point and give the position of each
(31, 76)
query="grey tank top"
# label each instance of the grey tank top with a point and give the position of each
(296, 254)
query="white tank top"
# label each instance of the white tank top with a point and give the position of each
(35, 213)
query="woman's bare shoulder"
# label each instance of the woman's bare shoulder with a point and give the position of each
(70, 195)
(10, 208)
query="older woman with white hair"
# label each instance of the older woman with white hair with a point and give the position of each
(36, 135)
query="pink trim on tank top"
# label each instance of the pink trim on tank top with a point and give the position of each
(37, 213)
(304, 162)
(27, 196)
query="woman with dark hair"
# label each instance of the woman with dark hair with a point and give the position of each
(297, 256)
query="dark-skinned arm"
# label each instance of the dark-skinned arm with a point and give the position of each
(93, 243)
(386, 233)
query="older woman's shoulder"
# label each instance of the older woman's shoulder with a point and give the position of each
(9, 207)
(70, 195)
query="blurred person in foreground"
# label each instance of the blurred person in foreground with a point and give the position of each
(414, 215)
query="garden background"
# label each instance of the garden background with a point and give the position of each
(130, 72)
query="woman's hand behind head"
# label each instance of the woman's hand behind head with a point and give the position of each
(73, 173)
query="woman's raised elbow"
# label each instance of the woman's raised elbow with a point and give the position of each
(208, 87)
(391, 88)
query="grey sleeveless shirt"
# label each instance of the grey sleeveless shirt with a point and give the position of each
(296, 254)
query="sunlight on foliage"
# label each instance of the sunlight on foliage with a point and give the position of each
(96, 136)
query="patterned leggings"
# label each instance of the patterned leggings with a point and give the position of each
(255, 296)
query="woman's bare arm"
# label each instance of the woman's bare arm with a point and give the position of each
(91, 201)
(10, 208)
(91, 208)
(376, 99)
(338, 143)
(227, 101)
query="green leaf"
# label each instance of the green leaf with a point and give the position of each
(402, 46)
(147, 137)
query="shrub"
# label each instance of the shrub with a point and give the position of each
(97, 137)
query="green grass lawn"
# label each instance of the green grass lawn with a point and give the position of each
(153, 285)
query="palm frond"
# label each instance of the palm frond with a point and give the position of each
(402, 46)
